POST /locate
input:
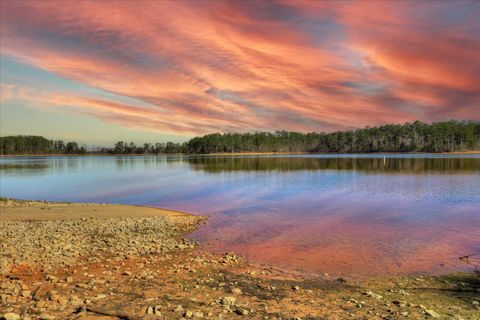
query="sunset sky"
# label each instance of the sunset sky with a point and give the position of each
(103, 71)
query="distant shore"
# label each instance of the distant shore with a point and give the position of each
(228, 154)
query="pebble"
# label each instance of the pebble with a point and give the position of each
(236, 291)
(55, 244)
(369, 293)
(241, 311)
(400, 304)
(432, 313)
(228, 301)
(178, 309)
(11, 316)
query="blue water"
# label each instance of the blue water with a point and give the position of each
(319, 213)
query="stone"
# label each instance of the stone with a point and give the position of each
(63, 301)
(179, 309)
(432, 313)
(400, 304)
(188, 314)
(26, 293)
(241, 311)
(11, 316)
(76, 301)
(198, 314)
(236, 291)
(370, 294)
(51, 278)
(5, 267)
(228, 301)
(100, 297)
(149, 310)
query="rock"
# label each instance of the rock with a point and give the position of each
(402, 292)
(228, 301)
(188, 314)
(370, 294)
(51, 278)
(11, 316)
(432, 313)
(236, 291)
(400, 304)
(155, 310)
(46, 316)
(100, 297)
(26, 293)
(178, 309)
(5, 267)
(241, 311)
(198, 314)
(69, 279)
(63, 301)
(76, 301)
(149, 310)
(296, 288)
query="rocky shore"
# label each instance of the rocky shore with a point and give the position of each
(86, 261)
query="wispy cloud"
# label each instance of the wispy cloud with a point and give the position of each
(233, 66)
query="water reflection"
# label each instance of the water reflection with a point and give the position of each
(368, 165)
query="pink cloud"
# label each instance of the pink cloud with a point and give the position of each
(231, 66)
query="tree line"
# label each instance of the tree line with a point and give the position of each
(448, 136)
(122, 147)
(38, 145)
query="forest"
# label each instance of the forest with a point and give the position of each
(37, 145)
(448, 136)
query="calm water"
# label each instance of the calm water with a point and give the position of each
(344, 215)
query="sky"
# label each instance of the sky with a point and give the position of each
(102, 71)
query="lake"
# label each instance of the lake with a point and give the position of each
(346, 215)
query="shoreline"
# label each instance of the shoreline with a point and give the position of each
(473, 152)
(71, 260)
